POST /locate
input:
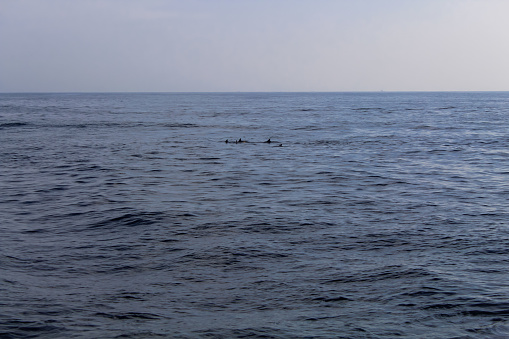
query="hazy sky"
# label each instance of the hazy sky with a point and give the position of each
(253, 45)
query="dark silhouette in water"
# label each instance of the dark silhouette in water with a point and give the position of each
(268, 141)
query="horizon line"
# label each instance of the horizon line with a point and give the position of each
(240, 92)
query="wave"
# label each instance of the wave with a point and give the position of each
(458, 307)
(129, 220)
(129, 315)
(100, 124)
(179, 125)
(385, 273)
(29, 329)
(245, 333)
(13, 124)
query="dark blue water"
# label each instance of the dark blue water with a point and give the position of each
(382, 215)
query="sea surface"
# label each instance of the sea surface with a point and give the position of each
(369, 215)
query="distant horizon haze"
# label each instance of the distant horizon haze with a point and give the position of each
(253, 46)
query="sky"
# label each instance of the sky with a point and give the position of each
(253, 45)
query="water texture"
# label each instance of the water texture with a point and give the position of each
(381, 215)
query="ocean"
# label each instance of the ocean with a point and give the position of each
(368, 215)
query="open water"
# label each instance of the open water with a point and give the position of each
(382, 215)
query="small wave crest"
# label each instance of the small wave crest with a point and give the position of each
(13, 124)
(29, 329)
(180, 125)
(129, 220)
(385, 273)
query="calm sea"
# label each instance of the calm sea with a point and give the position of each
(369, 215)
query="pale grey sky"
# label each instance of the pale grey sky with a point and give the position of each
(253, 45)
